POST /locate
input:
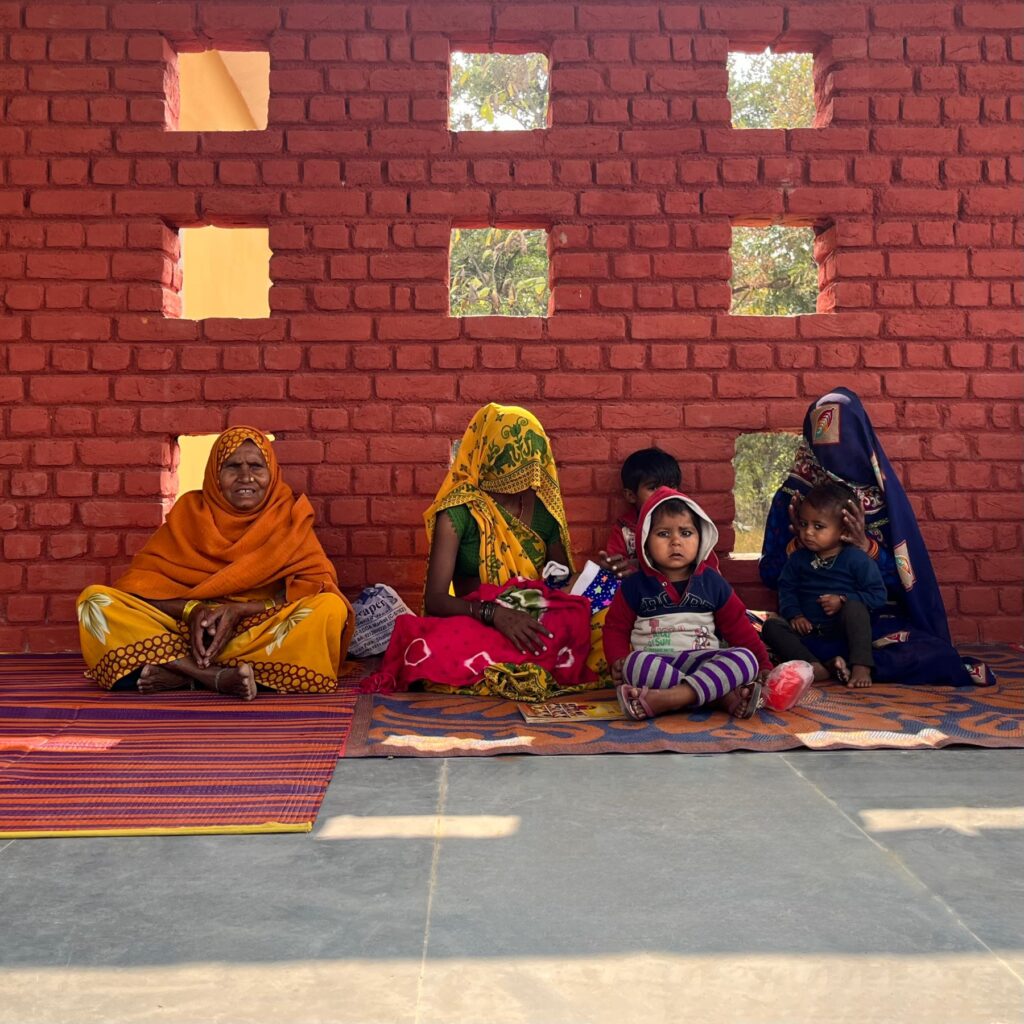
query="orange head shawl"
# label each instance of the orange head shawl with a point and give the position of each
(208, 549)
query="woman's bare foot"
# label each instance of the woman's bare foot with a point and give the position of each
(840, 671)
(158, 679)
(237, 680)
(860, 677)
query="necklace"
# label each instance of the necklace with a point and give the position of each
(824, 563)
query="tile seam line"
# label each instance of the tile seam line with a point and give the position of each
(435, 859)
(902, 866)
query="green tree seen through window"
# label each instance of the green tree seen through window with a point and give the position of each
(498, 91)
(760, 467)
(498, 272)
(774, 273)
(771, 90)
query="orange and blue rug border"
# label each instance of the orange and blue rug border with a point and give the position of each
(830, 718)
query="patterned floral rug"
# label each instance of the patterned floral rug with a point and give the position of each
(829, 718)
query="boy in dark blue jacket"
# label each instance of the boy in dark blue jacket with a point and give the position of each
(827, 592)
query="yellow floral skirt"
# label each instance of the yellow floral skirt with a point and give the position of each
(294, 649)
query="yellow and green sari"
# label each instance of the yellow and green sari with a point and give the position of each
(503, 451)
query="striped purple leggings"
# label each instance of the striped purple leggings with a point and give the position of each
(711, 673)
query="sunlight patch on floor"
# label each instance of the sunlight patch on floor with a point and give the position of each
(968, 821)
(727, 987)
(420, 826)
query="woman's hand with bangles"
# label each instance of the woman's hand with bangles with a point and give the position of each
(855, 527)
(525, 632)
(216, 625)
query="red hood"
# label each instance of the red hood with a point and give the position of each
(708, 530)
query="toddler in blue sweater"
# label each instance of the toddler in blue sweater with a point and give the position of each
(827, 592)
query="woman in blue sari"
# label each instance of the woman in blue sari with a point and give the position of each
(911, 634)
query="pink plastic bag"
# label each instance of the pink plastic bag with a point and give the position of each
(787, 684)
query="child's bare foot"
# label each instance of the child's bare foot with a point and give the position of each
(840, 670)
(157, 679)
(860, 677)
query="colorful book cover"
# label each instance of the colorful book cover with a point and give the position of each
(571, 711)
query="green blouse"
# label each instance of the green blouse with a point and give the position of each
(467, 562)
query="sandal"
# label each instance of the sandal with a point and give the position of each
(755, 701)
(734, 698)
(635, 708)
(838, 667)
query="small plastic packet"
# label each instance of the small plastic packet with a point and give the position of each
(787, 684)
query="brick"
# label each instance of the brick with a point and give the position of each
(984, 202)
(998, 386)
(397, 266)
(928, 264)
(503, 328)
(224, 22)
(983, 78)
(922, 140)
(839, 325)
(745, 202)
(996, 323)
(176, 20)
(828, 200)
(916, 16)
(571, 327)
(992, 16)
(417, 328)
(669, 326)
(64, 266)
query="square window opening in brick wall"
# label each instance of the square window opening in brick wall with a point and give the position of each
(499, 272)
(223, 91)
(225, 272)
(193, 454)
(772, 90)
(498, 91)
(773, 271)
(760, 467)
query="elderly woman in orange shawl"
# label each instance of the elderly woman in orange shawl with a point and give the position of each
(232, 593)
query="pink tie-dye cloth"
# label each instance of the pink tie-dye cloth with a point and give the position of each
(456, 650)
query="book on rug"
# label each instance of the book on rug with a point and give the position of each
(571, 711)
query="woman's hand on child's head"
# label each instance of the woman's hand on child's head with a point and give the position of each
(616, 670)
(793, 511)
(854, 526)
(617, 564)
(802, 624)
(830, 603)
(525, 632)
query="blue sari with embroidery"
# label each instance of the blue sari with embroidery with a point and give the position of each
(911, 634)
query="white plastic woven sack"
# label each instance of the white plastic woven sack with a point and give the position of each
(376, 609)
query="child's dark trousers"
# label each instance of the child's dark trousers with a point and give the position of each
(853, 621)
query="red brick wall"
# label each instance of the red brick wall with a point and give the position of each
(914, 179)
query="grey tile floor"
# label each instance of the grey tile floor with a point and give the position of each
(828, 887)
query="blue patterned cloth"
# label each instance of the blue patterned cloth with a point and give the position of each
(597, 585)
(840, 444)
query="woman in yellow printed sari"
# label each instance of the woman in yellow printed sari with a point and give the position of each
(233, 593)
(497, 517)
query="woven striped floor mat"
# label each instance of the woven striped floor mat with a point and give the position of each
(78, 761)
